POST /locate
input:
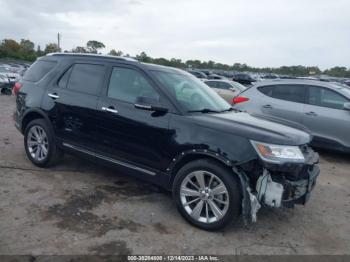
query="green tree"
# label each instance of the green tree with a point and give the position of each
(143, 57)
(79, 49)
(51, 48)
(93, 46)
(115, 53)
(27, 50)
(9, 48)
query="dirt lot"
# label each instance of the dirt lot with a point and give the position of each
(78, 208)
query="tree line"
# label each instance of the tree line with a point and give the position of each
(25, 50)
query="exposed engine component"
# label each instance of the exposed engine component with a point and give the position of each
(268, 191)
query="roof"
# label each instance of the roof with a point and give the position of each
(95, 56)
(147, 66)
(331, 85)
(296, 81)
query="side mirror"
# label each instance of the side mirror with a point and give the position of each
(150, 104)
(347, 106)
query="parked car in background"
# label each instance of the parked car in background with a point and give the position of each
(347, 82)
(215, 76)
(219, 163)
(244, 79)
(323, 108)
(225, 88)
(198, 74)
(7, 79)
(269, 76)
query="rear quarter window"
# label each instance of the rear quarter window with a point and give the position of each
(266, 90)
(38, 70)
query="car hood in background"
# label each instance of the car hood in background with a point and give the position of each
(255, 128)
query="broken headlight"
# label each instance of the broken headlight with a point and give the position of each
(278, 154)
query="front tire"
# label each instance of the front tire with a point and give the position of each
(207, 194)
(40, 145)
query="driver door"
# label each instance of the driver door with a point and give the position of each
(130, 134)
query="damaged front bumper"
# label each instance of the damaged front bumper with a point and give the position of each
(279, 185)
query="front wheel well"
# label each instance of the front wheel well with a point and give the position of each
(193, 157)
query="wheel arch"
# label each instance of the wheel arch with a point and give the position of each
(32, 115)
(191, 155)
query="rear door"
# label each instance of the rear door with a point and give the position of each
(325, 117)
(284, 101)
(71, 102)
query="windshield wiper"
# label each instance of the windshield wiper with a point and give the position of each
(228, 109)
(231, 109)
(204, 110)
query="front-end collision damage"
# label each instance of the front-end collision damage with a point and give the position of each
(276, 185)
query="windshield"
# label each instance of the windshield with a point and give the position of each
(239, 86)
(191, 93)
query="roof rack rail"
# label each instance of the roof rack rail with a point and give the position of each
(130, 59)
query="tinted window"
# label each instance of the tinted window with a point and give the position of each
(327, 98)
(62, 82)
(294, 93)
(211, 84)
(86, 78)
(266, 90)
(223, 85)
(127, 84)
(38, 70)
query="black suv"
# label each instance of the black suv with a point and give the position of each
(163, 125)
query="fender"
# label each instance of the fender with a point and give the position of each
(250, 205)
(36, 111)
(197, 152)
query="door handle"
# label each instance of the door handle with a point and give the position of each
(53, 95)
(311, 113)
(267, 106)
(110, 110)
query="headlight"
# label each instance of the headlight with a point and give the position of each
(278, 154)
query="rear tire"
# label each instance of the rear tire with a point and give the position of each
(40, 145)
(207, 194)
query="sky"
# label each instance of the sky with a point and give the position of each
(256, 32)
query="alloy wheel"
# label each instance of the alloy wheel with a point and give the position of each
(204, 196)
(37, 143)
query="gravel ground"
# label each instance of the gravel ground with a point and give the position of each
(78, 208)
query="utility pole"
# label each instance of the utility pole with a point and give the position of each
(59, 41)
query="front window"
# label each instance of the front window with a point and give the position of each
(191, 93)
(326, 98)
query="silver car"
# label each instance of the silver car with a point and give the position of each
(225, 88)
(323, 108)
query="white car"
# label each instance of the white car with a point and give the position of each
(225, 88)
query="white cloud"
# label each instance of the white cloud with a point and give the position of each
(256, 32)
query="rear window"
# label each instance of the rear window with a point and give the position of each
(266, 90)
(293, 93)
(86, 78)
(38, 70)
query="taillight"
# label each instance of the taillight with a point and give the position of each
(16, 88)
(239, 99)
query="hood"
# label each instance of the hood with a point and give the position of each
(255, 128)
